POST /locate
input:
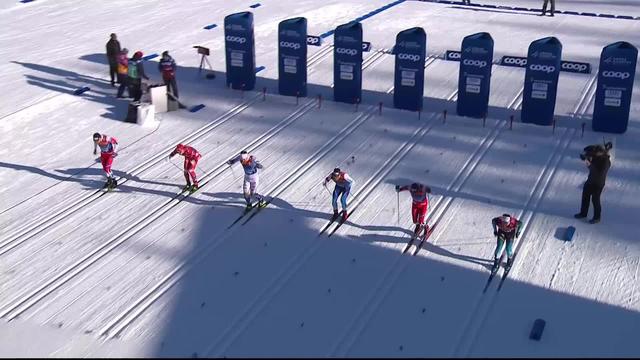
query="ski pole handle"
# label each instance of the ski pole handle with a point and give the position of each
(326, 188)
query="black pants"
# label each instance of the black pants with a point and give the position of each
(123, 80)
(553, 6)
(172, 86)
(591, 192)
(113, 70)
(135, 88)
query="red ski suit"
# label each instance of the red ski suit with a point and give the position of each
(420, 202)
(191, 157)
(107, 145)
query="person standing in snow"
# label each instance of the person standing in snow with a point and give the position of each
(167, 67)
(250, 165)
(420, 195)
(598, 161)
(544, 7)
(123, 64)
(191, 157)
(505, 228)
(107, 145)
(135, 73)
(342, 189)
(113, 49)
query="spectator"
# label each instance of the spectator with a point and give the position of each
(123, 63)
(167, 67)
(544, 7)
(135, 71)
(597, 159)
(113, 49)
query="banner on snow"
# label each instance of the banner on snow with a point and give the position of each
(240, 51)
(292, 57)
(474, 78)
(347, 63)
(615, 85)
(410, 52)
(541, 81)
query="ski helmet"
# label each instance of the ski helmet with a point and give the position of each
(138, 54)
(336, 171)
(96, 136)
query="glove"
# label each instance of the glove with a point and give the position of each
(94, 152)
(115, 154)
(518, 234)
(229, 162)
(495, 233)
(397, 188)
(428, 190)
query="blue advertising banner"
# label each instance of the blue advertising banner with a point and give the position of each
(453, 55)
(314, 40)
(615, 85)
(541, 81)
(292, 57)
(410, 52)
(240, 51)
(515, 61)
(347, 63)
(474, 78)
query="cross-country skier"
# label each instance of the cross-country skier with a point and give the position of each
(191, 157)
(419, 193)
(107, 146)
(506, 228)
(250, 165)
(343, 187)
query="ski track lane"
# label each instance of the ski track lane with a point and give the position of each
(323, 174)
(368, 61)
(485, 302)
(172, 193)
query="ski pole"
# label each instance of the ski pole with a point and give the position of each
(326, 188)
(232, 171)
(398, 207)
(177, 167)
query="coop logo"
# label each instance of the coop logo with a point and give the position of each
(453, 55)
(345, 51)
(478, 63)
(574, 67)
(513, 61)
(616, 74)
(236, 39)
(412, 57)
(544, 68)
(290, 45)
(313, 40)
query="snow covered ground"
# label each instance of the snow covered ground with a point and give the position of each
(144, 271)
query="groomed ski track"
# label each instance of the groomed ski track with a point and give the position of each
(147, 264)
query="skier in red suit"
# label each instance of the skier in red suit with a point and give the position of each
(191, 157)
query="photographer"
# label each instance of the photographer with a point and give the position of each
(598, 161)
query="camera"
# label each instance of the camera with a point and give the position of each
(202, 50)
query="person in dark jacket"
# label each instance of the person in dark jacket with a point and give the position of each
(135, 72)
(544, 7)
(113, 50)
(597, 159)
(167, 68)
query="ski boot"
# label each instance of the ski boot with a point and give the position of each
(248, 207)
(107, 185)
(416, 231)
(193, 188)
(594, 221)
(187, 187)
(114, 183)
(509, 263)
(344, 215)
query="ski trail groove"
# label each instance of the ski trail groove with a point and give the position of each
(26, 232)
(485, 301)
(384, 286)
(130, 314)
(22, 303)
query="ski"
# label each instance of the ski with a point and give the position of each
(342, 220)
(424, 239)
(244, 213)
(259, 207)
(506, 272)
(494, 270)
(406, 247)
(331, 221)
